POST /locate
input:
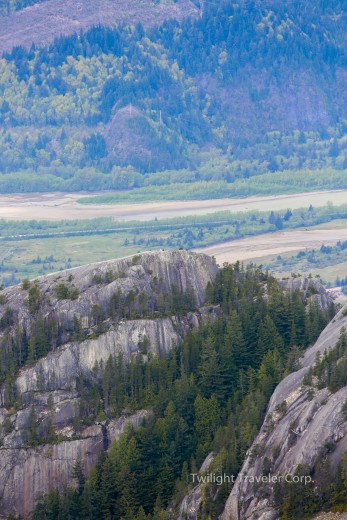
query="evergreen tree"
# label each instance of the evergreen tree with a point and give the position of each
(269, 338)
(210, 374)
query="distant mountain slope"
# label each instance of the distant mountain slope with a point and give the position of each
(9, 6)
(42, 22)
(261, 85)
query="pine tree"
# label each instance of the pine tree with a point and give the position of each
(211, 379)
(269, 338)
(207, 419)
(141, 515)
(235, 351)
(38, 343)
(33, 428)
(339, 500)
(78, 474)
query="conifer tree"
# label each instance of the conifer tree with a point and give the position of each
(210, 375)
(269, 338)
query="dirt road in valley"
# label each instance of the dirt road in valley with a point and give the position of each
(58, 206)
(261, 246)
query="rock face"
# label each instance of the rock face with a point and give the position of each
(96, 283)
(27, 474)
(191, 504)
(310, 288)
(296, 436)
(60, 369)
(49, 384)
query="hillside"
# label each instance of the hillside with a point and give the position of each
(304, 433)
(65, 326)
(122, 376)
(262, 89)
(40, 23)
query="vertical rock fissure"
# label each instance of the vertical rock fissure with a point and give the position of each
(105, 438)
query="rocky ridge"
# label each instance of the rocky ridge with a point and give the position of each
(49, 384)
(292, 434)
(313, 290)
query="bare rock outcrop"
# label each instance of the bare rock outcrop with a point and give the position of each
(191, 503)
(28, 473)
(297, 426)
(96, 283)
(49, 384)
(309, 287)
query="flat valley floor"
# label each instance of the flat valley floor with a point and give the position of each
(20, 256)
(58, 206)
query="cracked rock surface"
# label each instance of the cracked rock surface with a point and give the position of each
(49, 384)
(318, 421)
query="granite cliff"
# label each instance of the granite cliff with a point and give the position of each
(79, 299)
(59, 329)
(301, 421)
(312, 419)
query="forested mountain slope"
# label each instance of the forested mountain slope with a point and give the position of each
(304, 433)
(84, 350)
(60, 336)
(41, 22)
(245, 88)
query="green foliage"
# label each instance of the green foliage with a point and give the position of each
(339, 494)
(6, 319)
(64, 292)
(33, 433)
(207, 421)
(78, 474)
(308, 259)
(25, 284)
(56, 101)
(281, 408)
(39, 342)
(34, 299)
(135, 259)
(267, 184)
(327, 490)
(331, 369)
(344, 409)
(196, 406)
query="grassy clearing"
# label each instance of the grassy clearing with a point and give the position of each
(32, 258)
(335, 224)
(327, 274)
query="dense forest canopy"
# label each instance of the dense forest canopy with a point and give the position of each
(208, 394)
(259, 83)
